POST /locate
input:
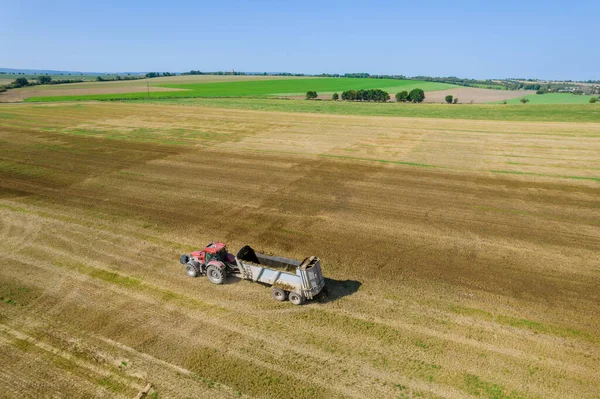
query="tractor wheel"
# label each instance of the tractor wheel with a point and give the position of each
(183, 259)
(215, 274)
(191, 270)
(278, 294)
(296, 299)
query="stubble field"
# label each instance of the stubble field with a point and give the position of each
(463, 256)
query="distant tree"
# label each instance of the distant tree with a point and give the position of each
(455, 100)
(449, 98)
(381, 95)
(311, 95)
(44, 79)
(335, 97)
(20, 82)
(349, 95)
(118, 77)
(402, 96)
(593, 100)
(99, 78)
(416, 96)
(524, 100)
(540, 91)
(376, 95)
(361, 95)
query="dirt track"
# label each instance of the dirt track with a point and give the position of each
(463, 255)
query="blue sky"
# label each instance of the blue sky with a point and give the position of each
(478, 39)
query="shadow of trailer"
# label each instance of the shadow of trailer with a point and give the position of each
(290, 279)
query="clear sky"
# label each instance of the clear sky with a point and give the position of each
(479, 39)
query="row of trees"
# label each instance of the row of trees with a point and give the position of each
(415, 96)
(41, 80)
(47, 80)
(118, 77)
(376, 95)
(362, 75)
(159, 74)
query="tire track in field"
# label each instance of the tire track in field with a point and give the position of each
(322, 356)
(137, 361)
(15, 232)
(406, 326)
(92, 373)
(516, 354)
(15, 334)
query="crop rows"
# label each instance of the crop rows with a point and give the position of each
(462, 256)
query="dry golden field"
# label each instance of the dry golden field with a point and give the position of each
(463, 256)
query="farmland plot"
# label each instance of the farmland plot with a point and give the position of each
(463, 256)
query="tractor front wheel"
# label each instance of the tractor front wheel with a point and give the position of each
(296, 299)
(278, 294)
(191, 270)
(215, 274)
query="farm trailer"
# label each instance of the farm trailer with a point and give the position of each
(289, 278)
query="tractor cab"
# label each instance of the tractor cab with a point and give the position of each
(218, 251)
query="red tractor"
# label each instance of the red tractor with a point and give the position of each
(289, 278)
(214, 262)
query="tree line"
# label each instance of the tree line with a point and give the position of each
(40, 80)
(376, 95)
(150, 75)
(47, 80)
(362, 75)
(415, 96)
(118, 77)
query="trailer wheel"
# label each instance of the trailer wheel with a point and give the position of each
(278, 294)
(191, 270)
(295, 298)
(215, 274)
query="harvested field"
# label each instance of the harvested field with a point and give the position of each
(468, 95)
(462, 256)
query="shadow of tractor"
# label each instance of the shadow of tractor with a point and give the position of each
(337, 289)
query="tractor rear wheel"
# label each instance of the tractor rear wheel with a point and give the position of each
(215, 274)
(295, 298)
(191, 270)
(278, 294)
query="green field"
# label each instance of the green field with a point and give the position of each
(517, 112)
(553, 98)
(263, 88)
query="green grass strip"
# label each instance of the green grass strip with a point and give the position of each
(515, 172)
(535, 326)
